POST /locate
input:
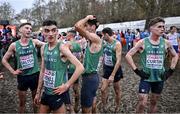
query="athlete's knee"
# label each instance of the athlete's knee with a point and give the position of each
(76, 90)
(21, 103)
(153, 102)
(117, 89)
(86, 110)
(103, 90)
(103, 87)
(142, 101)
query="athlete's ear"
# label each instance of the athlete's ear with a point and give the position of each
(150, 28)
(107, 34)
(94, 27)
(20, 29)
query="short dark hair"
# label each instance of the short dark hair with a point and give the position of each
(49, 23)
(72, 31)
(172, 27)
(63, 33)
(107, 30)
(138, 29)
(93, 22)
(156, 20)
(23, 24)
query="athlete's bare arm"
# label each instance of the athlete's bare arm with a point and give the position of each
(38, 42)
(80, 27)
(134, 50)
(179, 43)
(40, 82)
(70, 46)
(8, 54)
(78, 70)
(118, 49)
(173, 53)
(1, 75)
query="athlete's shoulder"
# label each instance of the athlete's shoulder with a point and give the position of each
(13, 45)
(94, 35)
(166, 41)
(142, 40)
(117, 42)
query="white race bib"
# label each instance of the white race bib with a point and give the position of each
(27, 61)
(49, 78)
(154, 61)
(108, 60)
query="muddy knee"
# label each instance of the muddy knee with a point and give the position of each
(153, 102)
(142, 102)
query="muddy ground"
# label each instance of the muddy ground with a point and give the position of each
(168, 103)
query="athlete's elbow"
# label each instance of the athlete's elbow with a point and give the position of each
(176, 56)
(81, 67)
(127, 56)
(77, 26)
(3, 61)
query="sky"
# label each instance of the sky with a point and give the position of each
(18, 5)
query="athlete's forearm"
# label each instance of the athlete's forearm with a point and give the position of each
(40, 83)
(179, 45)
(130, 61)
(174, 61)
(41, 76)
(116, 67)
(78, 71)
(174, 56)
(81, 23)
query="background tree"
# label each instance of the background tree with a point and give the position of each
(67, 12)
(6, 11)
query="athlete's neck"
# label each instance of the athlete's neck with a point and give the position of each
(24, 40)
(111, 39)
(52, 44)
(154, 37)
(172, 32)
(71, 39)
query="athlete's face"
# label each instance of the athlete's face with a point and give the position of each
(105, 36)
(174, 29)
(158, 28)
(90, 28)
(50, 33)
(26, 31)
(69, 36)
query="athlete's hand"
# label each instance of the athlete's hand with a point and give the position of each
(17, 72)
(141, 73)
(1, 75)
(90, 17)
(168, 73)
(61, 89)
(111, 78)
(37, 99)
(178, 50)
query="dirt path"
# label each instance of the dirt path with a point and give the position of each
(169, 102)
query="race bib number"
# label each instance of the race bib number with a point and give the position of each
(108, 60)
(154, 61)
(27, 61)
(49, 78)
